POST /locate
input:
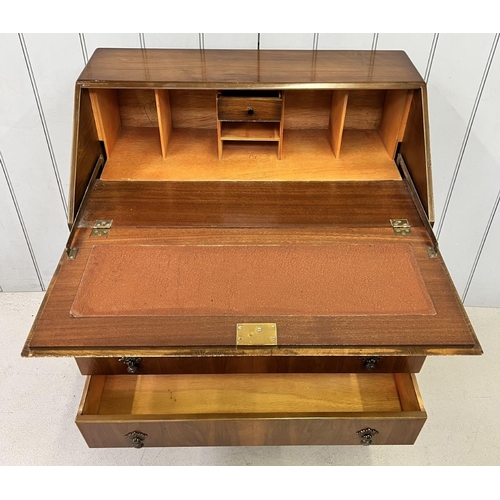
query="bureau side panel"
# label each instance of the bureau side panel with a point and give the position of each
(415, 150)
(86, 151)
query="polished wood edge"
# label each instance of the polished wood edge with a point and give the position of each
(27, 352)
(81, 209)
(400, 415)
(406, 385)
(83, 399)
(417, 391)
(188, 85)
(165, 352)
(95, 391)
(412, 190)
(427, 151)
(477, 346)
(74, 155)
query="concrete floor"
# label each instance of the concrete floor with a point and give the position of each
(39, 400)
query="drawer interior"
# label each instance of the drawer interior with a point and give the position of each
(249, 395)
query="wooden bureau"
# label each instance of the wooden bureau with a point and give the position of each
(251, 258)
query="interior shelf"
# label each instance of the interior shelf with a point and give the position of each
(243, 131)
(192, 156)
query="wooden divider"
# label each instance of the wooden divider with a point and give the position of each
(107, 116)
(394, 117)
(162, 98)
(337, 118)
(392, 122)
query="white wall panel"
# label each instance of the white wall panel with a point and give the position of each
(57, 61)
(17, 272)
(230, 40)
(286, 41)
(477, 185)
(172, 40)
(416, 45)
(96, 40)
(25, 151)
(484, 289)
(457, 69)
(345, 41)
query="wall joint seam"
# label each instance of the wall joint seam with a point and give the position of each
(481, 247)
(83, 45)
(21, 222)
(430, 60)
(44, 123)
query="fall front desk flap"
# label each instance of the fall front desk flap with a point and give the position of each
(357, 292)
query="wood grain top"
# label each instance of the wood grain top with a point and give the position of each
(174, 68)
(250, 204)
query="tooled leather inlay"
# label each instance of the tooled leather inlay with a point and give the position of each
(297, 280)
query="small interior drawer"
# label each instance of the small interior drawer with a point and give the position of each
(249, 108)
(250, 409)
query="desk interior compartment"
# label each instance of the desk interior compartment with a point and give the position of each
(293, 135)
(132, 118)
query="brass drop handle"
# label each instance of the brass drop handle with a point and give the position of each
(366, 435)
(137, 438)
(250, 111)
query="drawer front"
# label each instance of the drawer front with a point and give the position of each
(250, 410)
(253, 364)
(249, 109)
(253, 432)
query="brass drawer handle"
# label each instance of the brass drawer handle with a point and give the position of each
(250, 111)
(137, 438)
(366, 435)
(132, 363)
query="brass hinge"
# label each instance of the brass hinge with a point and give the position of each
(401, 227)
(101, 228)
(72, 253)
(433, 252)
(256, 334)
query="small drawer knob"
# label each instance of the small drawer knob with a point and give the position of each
(137, 438)
(370, 362)
(132, 363)
(366, 435)
(250, 111)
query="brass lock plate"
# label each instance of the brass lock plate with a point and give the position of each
(256, 334)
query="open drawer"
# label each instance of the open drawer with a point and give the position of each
(250, 409)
